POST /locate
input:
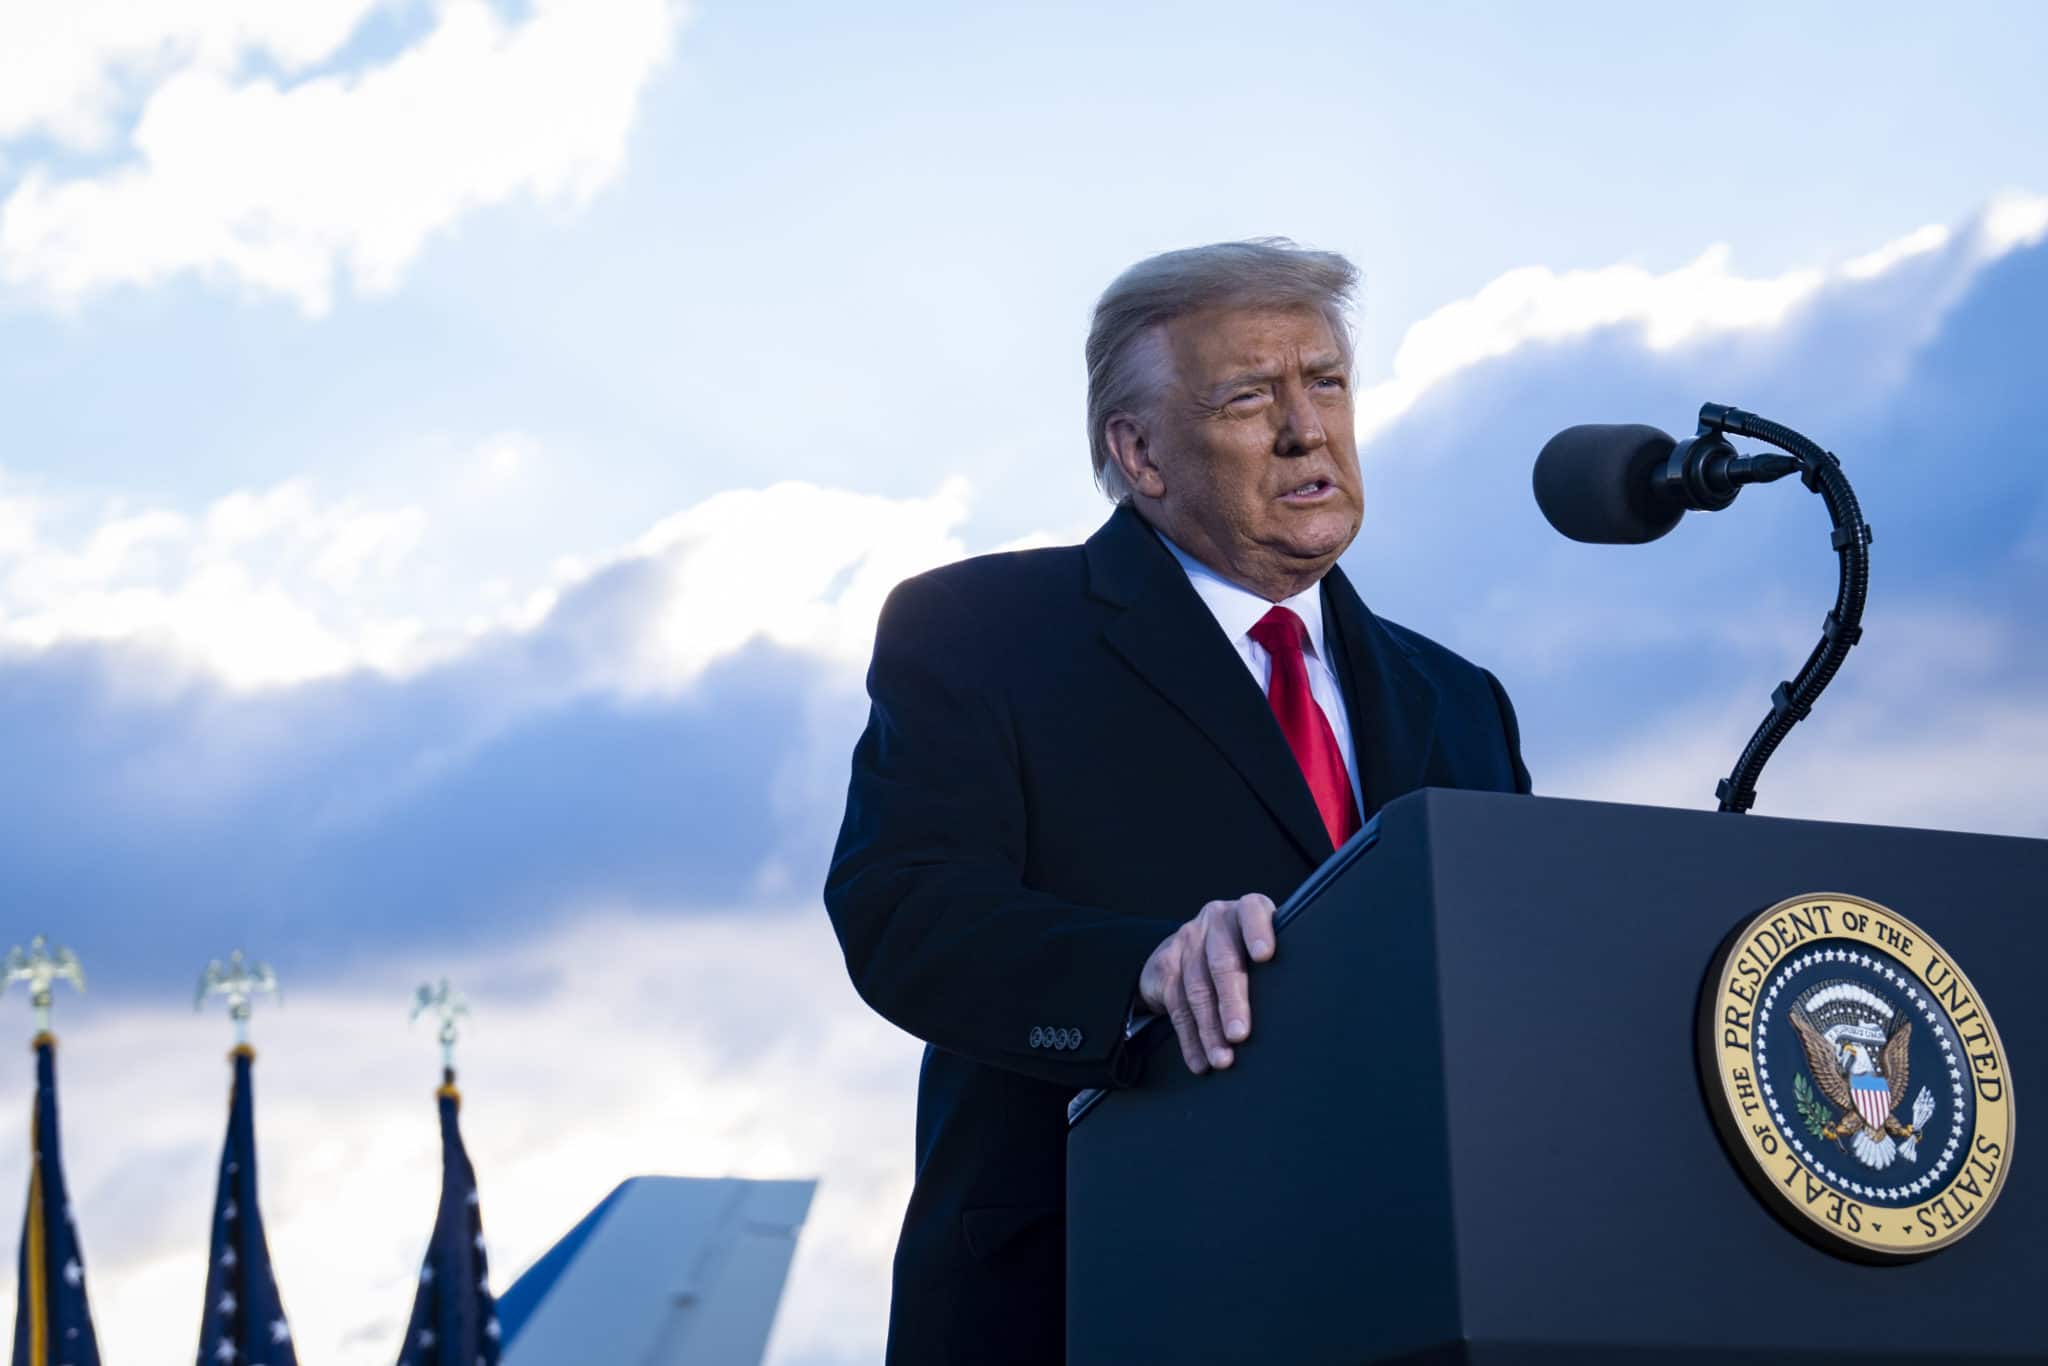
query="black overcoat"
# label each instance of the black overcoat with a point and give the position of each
(1064, 760)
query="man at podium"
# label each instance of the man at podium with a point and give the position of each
(1090, 772)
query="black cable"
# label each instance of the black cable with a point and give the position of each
(1793, 700)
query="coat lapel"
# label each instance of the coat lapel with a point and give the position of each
(1391, 705)
(1172, 640)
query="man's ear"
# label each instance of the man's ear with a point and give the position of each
(1130, 445)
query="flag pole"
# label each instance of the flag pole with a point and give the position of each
(53, 1319)
(454, 1319)
(242, 1320)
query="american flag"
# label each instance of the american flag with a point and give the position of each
(454, 1317)
(52, 1321)
(244, 1323)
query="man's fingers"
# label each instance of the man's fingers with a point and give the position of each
(1183, 1021)
(1255, 921)
(1200, 990)
(1200, 977)
(1227, 971)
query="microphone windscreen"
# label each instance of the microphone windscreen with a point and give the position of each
(1594, 483)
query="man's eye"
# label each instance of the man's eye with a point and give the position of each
(1330, 381)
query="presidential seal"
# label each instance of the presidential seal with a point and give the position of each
(1856, 1078)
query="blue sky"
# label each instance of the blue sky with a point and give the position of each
(452, 456)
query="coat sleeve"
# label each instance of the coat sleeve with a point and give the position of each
(1511, 730)
(926, 890)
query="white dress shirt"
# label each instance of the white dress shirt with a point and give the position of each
(1238, 609)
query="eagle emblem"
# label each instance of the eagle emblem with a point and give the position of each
(1855, 1076)
(1857, 1060)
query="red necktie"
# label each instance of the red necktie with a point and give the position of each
(1280, 633)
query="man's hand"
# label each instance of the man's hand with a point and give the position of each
(1197, 978)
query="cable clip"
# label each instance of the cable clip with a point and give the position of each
(1783, 705)
(1846, 536)
(1832, 630)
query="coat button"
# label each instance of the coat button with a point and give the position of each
(1037, 1036)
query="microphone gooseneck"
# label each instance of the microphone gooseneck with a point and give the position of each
(1792, 701)
(1629, 484)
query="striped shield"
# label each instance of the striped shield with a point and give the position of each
(1873, 1096)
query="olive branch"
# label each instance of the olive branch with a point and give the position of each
(1811, 1110)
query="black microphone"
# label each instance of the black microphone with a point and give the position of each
(1627, 484)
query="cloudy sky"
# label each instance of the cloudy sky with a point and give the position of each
(451, 455)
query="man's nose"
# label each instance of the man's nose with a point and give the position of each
(1302, 431)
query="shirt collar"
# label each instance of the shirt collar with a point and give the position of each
(1237, 609)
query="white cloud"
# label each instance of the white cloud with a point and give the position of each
(253, 591)
(1920, 241)
(802, 566)
(1533, 305)
(2013, 220)
(712, 1046)
(66, 70)
(272, 587)
(283, 188)
(379, 540)
(1536, 304)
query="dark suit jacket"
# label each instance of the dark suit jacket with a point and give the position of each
(1065, 759)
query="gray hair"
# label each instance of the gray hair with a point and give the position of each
(1123, 351)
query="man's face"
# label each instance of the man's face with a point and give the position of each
(1250, 459)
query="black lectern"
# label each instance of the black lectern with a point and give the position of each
(1470, 1125)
